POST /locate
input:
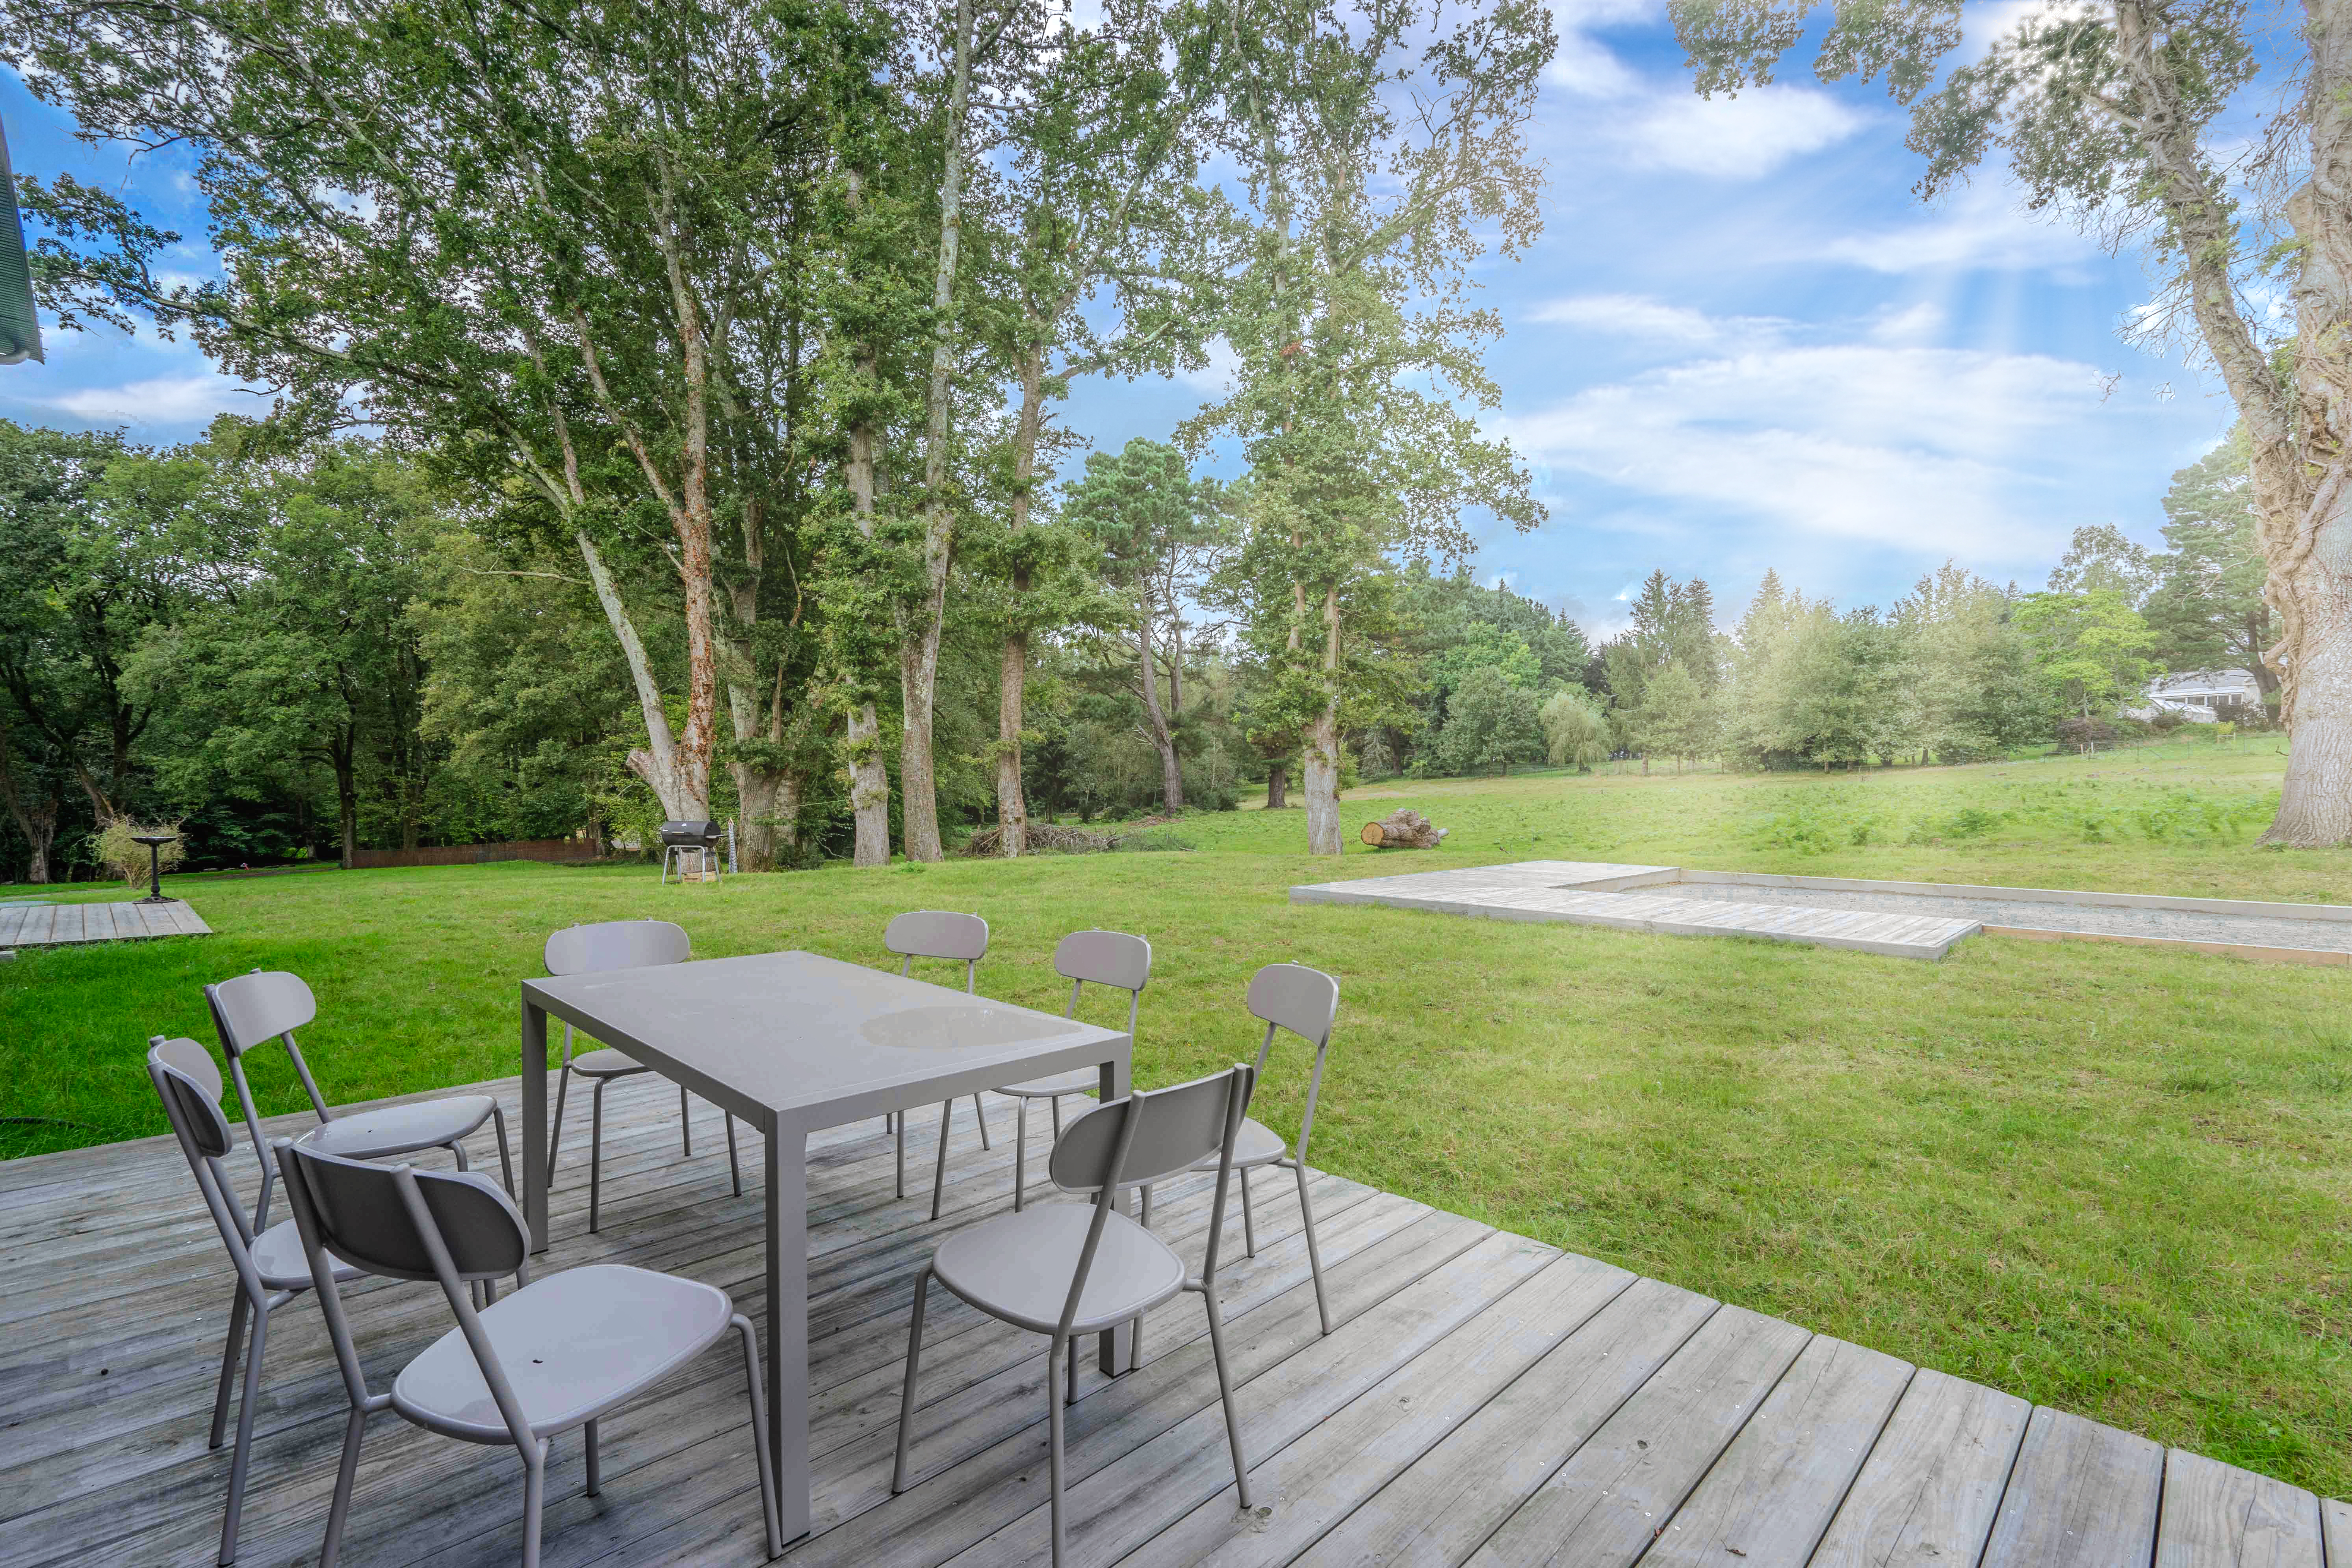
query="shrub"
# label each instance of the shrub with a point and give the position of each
(120, 851)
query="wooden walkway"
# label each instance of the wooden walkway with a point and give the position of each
(1485, 1400)
(1630, 898)
(49, 925)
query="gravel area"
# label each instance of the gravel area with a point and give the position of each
(2175, 925)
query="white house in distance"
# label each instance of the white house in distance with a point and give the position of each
(2203, 696)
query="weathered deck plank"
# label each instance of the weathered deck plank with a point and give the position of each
(1484, 1399)
(2081, 1496)
(58, 925)
(2219, 1516)
(1929, 1488)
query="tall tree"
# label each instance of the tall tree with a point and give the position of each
(1159, 530)
(2111, 113)
(1102, 208)
(1381, 148)
(2206, 609)
(538, 243)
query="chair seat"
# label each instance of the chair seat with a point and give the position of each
(401, 1129)
(277, 1257)
(1083, 1081)
(606, 1062)
(1254, 1146)
(573, 1346)
(1018, 1268)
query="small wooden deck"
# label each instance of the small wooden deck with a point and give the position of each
(1485, 1400)
(51, 925)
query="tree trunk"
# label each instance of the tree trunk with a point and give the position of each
(1013, 675)
(1278, 783)
(1155, 719)
(347, 794)
(2315, 800)
(1319, 766)
(37, 822)
(869, 788)
(656, 760)
(1012, 802)
(919, 656)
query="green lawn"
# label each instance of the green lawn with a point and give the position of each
(2105, 1177)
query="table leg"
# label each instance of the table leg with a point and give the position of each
(787, 1363)
(1116, 1349)
(534, 1124)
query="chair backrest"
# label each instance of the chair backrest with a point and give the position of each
(265, 1005)
(1105, 958)
(1305, 1002)
(1149, 1136)
(247, 1010)
(394, 1220)
(938, 933)
(189, 1085)
(617, 944)
(364, 1214)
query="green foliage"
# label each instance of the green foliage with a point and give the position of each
(119, 850)
(1489, 723)
(2091, 645)
(1576, 733)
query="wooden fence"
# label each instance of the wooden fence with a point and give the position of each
(554, 850)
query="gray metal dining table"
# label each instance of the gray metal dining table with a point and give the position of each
(792, 1043)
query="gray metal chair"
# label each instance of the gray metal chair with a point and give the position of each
(255, 1008)
(1105, 958)
(938, 933)
(1305, 1002)
(1066, 1270)
(598, 950)
(560, 1352)
(271, 1268)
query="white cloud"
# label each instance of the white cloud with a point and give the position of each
(1868, 443)
(1981, 227)
(1741, 138)
(162, 400)
(1641, 317)
(1912, 324)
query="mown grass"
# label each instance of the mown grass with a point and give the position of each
(2107, 1178)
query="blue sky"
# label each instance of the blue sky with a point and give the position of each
(1741, 344)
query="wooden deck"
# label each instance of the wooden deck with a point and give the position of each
(1485, 1400)
(1628, 898)
(50, 925)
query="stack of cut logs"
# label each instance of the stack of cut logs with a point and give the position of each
(1402, 829)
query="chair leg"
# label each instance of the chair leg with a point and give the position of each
(595, 1152)
(1070, 1380)
(980, 1114)
(1020, 1161)
(1053, 1444)
(1314, 1253)
(248, 1400)
(506, 1155)
(939, 1173)
(1249, 1224)
(1225, 1390)
(346, 1474)
(771, 1506)
(734, 1166)
(907, 1395)
(534, 1501)
(902, 1153)
(595, 1470)
(237, 1307)
(685, 1125)
(457, 1152)
(1145, 1218)
(555, 1136)
(1056, 1103)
